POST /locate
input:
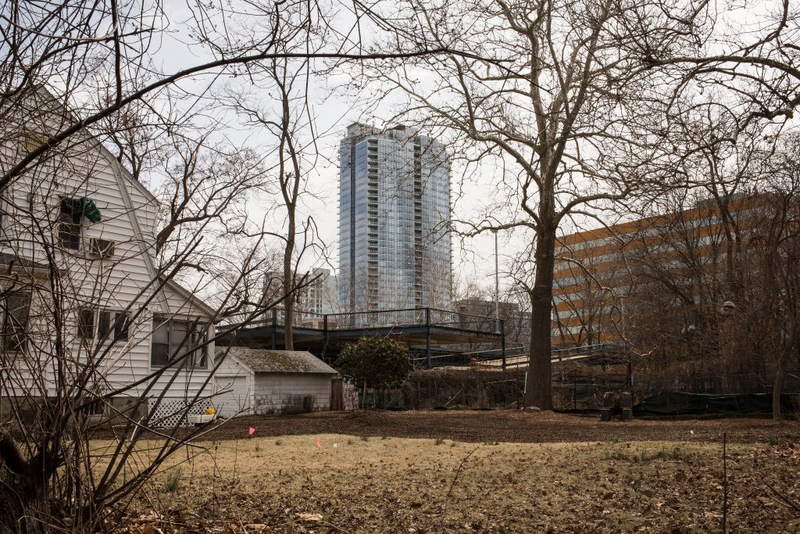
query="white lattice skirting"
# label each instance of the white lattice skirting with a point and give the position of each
(173, 412)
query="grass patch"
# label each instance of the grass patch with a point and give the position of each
(676, 453)
(173, 481)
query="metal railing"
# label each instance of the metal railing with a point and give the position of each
(410, 317)
(275, 317)
(403, 318)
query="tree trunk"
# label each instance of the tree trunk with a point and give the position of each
(777, 387)
(288, 287)
(538, 387)
(24, 510)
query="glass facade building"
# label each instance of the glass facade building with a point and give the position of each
(394, 208)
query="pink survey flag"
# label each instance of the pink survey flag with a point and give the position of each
(319, 444)
(252, 430)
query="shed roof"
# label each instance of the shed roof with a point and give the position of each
(281, 361)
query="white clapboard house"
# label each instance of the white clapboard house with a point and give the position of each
(85, 309)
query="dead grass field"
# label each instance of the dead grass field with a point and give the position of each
(387, 484)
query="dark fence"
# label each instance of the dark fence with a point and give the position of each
(459, 388)
(575, 389)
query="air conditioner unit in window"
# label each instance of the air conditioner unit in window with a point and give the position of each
(101, 247)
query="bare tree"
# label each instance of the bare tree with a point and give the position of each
(569, 97)
(781, 262)
(712, 265)
(83, 45)
(678, 258)
(289, 122)
(720, 282)
(774, 258)
(558, 99)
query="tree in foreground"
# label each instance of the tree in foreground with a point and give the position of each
(377, 362)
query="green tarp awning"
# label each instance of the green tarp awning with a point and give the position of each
(83, 206)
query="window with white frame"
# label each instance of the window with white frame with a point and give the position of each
(173, 338)
(111, 325)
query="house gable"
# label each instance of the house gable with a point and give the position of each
(105, 271)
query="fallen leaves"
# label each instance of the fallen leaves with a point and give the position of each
(368, 487)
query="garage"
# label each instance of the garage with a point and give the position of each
(259, 381)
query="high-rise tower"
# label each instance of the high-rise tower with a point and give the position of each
(394, 207)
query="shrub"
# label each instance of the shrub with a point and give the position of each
(376, 362)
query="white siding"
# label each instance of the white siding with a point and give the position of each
(233, 396)
(275, 393)
(125, 281)
(234, 387)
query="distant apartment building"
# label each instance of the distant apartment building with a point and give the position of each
(394, 207)
(316, 298)
(320, 297)
(673, 272)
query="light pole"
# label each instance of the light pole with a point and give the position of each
(496, 283)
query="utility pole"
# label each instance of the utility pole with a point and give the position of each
(496, 283)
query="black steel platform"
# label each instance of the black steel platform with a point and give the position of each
(427, 327)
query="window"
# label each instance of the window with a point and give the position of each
(86, 323)
(103, 324)
(107, 321)
(4, 207)
(122, 323)
(159, 355)
(173, 338)
(15, 321)
(69, 226)
(200, 358)
(97, 408)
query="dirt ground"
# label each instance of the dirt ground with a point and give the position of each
(508, 426)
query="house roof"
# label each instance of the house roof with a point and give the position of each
(190, 297)
(61, 106)
(281, 361)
